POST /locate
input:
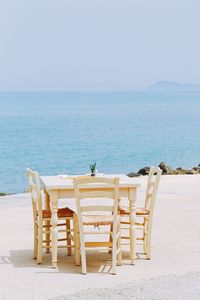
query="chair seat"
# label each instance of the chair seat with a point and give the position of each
(97, 220)
(62, 213)
(140, 211)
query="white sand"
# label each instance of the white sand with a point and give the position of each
(173, 272)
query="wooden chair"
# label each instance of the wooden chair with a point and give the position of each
(144, 215)
(89, 205)
(42, 218)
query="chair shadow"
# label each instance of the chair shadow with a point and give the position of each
(24, 259)
(19, 259)
(101, 263)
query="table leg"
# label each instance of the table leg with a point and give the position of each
(47, 223)
(132, 229)
(54, 222)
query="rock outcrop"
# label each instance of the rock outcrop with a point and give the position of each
(167, 170)
(144, 171)
(133, 174)
(2, 194)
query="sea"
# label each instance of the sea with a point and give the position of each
(63, 132)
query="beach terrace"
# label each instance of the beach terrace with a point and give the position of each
(172, 273)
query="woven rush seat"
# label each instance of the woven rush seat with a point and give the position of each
(140, 211)
(97, 220)
(62, 213)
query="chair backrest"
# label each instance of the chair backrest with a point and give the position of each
(108, 195)
(152, 187)
(34, 188)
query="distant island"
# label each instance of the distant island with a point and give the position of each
(170, 86)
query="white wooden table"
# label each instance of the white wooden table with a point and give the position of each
(57, 187)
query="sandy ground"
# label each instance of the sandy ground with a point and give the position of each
(173, 272)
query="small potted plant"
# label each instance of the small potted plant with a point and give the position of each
(93, 169)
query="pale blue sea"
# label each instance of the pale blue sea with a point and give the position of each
(61, 133)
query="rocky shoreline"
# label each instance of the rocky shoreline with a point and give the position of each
(3, 194)
(167, 170)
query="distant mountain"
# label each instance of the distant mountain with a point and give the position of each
(170, 86)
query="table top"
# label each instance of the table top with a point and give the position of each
(66, 182)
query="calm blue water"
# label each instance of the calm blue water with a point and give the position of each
(59, 133)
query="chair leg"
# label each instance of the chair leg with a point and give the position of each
(119, 255)
(114, 257)
(40, 240)
(83, 258)
(148, 252)
(145, 246)
(145, 239)
(131, 248)
(78, 253)
(68, 237)
(114, 251)
(77, 260)
(132, 235)
(82, 246)
(47, 236)
(35, 241)
(148, 244)
(110, 238)
(47, 223)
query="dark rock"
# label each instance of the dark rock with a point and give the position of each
(184, 172)
(196, 169)
(132, 174)
(144, 171)
(192, 171)
(3, 194)
(165, 168)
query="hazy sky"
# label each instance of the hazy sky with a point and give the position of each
(98, 44)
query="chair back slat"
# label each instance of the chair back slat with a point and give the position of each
(149, 196)
(33, 191)
(34, 188)
(96, 200)
(96, 194)
(96, 208)
(152, 187)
